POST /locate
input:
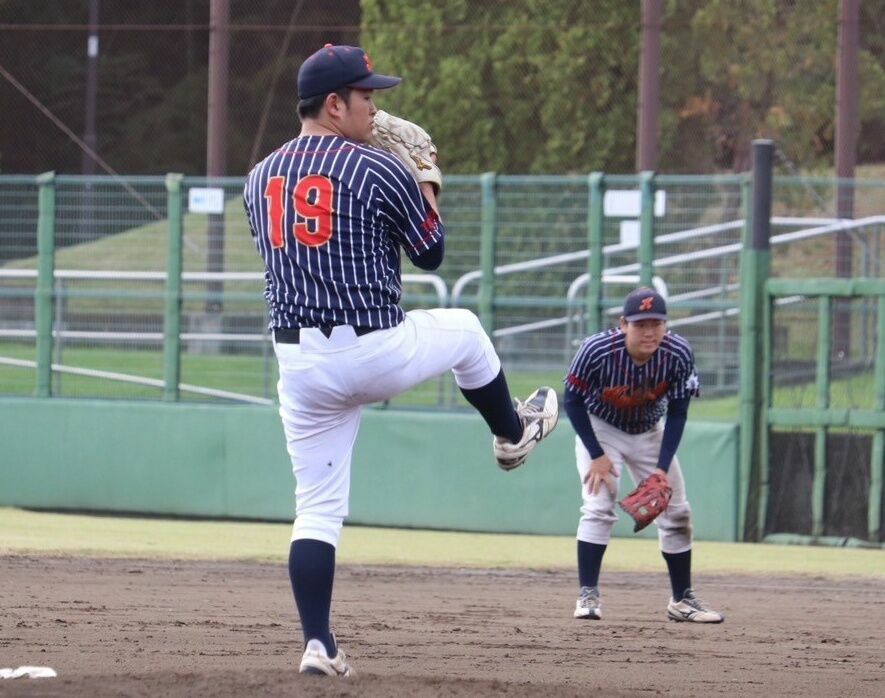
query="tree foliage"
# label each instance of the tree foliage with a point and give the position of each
(549, 86)
(530, 86)
(516, 86)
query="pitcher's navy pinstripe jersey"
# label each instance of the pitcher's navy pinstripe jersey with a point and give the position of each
(629, 397)
(328, 216)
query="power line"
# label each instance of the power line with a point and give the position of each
(7, 26)
(74, 137)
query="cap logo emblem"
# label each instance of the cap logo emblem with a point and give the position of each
(368, 61)
(645, 303)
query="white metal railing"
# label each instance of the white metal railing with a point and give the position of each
(621, 274)
(101, 275)
(432, 280)
(829, 225)
(666, 239)
(726, 312)
(781, 239)
(140, 380)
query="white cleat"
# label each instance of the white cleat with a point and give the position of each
(692, 610)
(315, 660)
(588, 605)
(539, 415)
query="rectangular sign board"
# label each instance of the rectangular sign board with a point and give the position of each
(205, 200)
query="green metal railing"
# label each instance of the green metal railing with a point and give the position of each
(823, 417)
(172, 311)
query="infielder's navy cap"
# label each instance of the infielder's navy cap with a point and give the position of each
(334, 67)
(644, 304)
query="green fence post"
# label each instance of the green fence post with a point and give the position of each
(822, 381)
(646, 227)
(488, 182)
(44, 293)
(748, 357)
(172, 311)
(755, 268)
(877, 464)
(595, 261)
(766, 342)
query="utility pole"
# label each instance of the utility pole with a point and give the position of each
(649, 87)
(87, 196)
(91, 88)
(216, 140)
(847, 126)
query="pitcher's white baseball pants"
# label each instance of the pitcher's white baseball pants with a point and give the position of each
(325, 381)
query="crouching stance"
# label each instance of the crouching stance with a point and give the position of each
(620, 385)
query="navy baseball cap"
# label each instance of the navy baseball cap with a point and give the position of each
(334, 67)
(644, 304)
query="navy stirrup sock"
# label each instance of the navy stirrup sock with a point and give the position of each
(589, 563)
(495, 404)
(312, 572)
(679, 566)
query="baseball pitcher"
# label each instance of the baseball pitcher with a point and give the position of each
(331, 212)
(620, 385)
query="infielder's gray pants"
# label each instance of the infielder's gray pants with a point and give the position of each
(639, 452)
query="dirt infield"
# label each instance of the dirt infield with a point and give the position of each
(152, 628)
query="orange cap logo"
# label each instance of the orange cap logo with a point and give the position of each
(368, 61)
(645, 303)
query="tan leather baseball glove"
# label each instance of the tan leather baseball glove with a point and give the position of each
(411, 144)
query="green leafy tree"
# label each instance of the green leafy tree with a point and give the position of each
(531, 86)
(738, 71)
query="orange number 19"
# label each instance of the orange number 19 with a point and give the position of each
(312, 198)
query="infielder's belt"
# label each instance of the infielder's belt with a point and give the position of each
(293, 336)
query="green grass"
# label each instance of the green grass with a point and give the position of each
(856, 392)
(246, 374)
(239, 374)
(144, 248)
(30, 532)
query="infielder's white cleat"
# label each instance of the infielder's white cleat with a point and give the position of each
(539, 415)
(691, 609)
(588, 605)
(315, 660)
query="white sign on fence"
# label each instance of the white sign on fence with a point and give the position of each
(205, 200)
(630, 233)
(627, 203)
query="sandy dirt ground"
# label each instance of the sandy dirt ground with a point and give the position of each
(159, 628)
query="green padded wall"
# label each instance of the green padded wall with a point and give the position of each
(411, 469)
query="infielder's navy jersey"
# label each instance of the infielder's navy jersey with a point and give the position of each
(328, 216)
(629, 397)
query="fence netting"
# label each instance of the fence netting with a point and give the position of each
(846, 451)
(111, 247)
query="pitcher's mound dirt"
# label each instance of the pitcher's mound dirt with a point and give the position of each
(157, 628)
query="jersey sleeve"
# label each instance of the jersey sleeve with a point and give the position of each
(579, 378)
(685, 383)
(247, 205)
(413, 222)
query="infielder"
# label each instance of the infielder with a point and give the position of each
(330, 214)
(619, 386)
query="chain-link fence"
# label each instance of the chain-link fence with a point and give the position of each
(532, 292)
(826, 395)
